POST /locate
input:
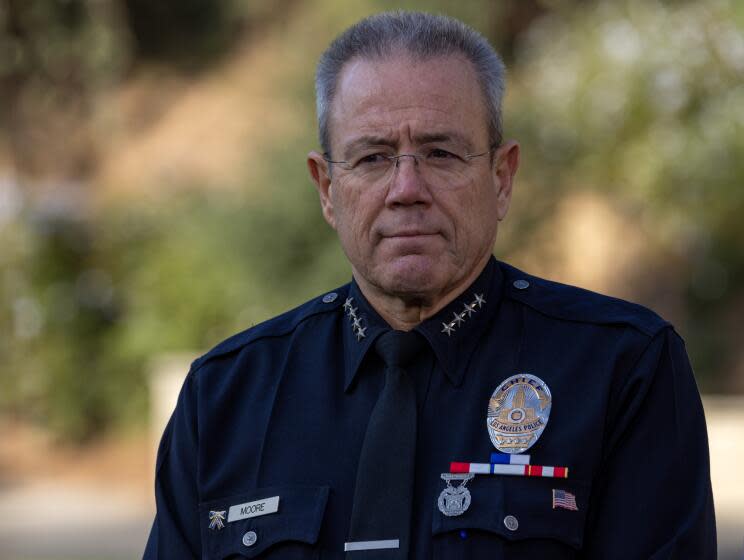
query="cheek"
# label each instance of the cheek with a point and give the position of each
(474, 217)
(353, 215)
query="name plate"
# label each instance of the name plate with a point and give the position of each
(253, 509)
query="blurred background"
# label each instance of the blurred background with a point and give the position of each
(154, 200)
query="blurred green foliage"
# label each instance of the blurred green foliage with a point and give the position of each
(641, 101)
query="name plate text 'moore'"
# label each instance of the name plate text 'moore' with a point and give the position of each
(253, 509)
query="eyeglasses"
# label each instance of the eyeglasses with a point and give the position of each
(434, 164)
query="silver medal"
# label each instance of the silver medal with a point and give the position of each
(455, 500)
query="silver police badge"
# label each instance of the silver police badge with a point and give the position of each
(455, 500)
(518, 413)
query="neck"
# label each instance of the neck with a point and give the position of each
(404, 312)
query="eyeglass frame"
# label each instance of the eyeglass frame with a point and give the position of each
(467, 158)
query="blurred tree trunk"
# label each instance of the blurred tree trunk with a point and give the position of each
(513, 18)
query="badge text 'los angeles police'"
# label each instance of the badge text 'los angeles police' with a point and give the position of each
(518, 412)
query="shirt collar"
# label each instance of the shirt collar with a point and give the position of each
(452, 333)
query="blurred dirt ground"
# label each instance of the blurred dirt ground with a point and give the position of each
(76, 503)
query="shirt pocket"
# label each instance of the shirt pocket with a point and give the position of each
(289, 533)
(515, 517)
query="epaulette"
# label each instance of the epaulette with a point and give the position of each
(280, 325)
(570, 303)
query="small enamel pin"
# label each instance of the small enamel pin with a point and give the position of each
(455, 500)
(217, 520)
(565, 500)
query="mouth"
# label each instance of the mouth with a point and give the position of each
(409, 233)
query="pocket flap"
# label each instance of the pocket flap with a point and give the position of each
(296, 516)
(522, 508)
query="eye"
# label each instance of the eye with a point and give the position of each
(439, 153)
(369, 160)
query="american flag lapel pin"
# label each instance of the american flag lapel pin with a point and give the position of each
(565, 500)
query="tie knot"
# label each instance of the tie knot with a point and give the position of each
(398, 348)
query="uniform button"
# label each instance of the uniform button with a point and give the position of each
(521, 284)
(330, 298)
(250, 538)
(511, 522)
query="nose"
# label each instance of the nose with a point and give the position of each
(407, 185)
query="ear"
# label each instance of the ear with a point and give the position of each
(505, 164)
(319, 173)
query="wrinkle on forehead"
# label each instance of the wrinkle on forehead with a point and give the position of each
(395, 137)
(404, 98)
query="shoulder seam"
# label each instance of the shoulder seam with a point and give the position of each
(240, 340)
(649, 332)
(624, 311)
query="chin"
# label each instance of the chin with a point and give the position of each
(412, 276)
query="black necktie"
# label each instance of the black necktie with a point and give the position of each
(384, 486)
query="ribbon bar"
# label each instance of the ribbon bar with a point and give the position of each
(513, 470)
(509, 459)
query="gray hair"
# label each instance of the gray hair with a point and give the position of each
(421, 35)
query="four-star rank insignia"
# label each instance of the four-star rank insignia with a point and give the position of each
(518, 412)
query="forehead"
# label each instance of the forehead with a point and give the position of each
(401, 97)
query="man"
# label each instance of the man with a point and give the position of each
(443, 404)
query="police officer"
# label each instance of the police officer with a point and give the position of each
(443, 404)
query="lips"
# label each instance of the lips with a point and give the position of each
(408, 231)
(410, 242)
(409, 234)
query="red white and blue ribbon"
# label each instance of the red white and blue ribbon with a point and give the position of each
(509, 459)
(513, 470)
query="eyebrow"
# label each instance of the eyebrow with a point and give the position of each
(368, 140)
(423, 138)
(434, 137)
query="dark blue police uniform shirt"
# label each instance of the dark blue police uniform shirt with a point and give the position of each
(282, 408)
